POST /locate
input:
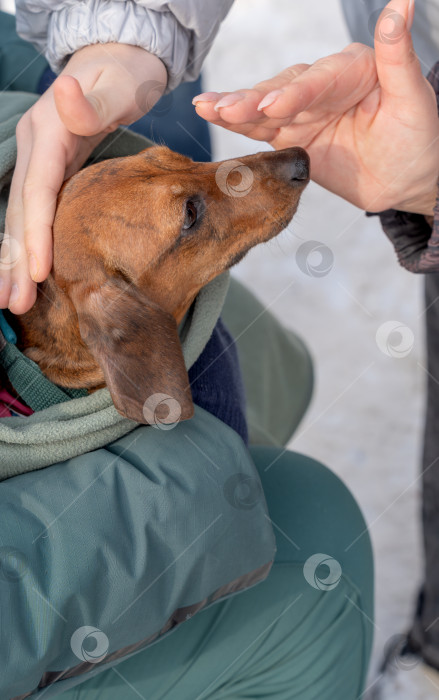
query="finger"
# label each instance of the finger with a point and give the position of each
(206, 111)
(13, 259)
(39, 201)
(205, 106)
(20, 295)
(79, 115)
(399, 70)
(102, 108)
(23, 292)
(283, 78)
(241, 106)
(233, 108)
(259, 132)
(334, 80)
(6, 257)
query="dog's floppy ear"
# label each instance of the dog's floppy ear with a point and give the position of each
(136, 344)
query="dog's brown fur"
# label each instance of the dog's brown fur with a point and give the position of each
(125, 273)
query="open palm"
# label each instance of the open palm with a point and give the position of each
(367, 118)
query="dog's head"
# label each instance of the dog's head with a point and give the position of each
(135, 239)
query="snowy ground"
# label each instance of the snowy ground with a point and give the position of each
(365, 421)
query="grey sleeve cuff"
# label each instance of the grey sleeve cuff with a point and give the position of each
(74, 26)
(179, 32)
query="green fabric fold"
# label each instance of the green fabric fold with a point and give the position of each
(84, 424)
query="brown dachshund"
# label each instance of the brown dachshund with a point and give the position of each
(135, 239)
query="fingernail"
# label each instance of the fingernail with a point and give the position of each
(33, 265)
(15, 293)
(206, 97)
(2, 283)
(229, 100)
(269, 99)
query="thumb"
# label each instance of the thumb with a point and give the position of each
(86, 114)
(398, 67)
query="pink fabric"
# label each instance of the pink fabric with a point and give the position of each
(8, 402)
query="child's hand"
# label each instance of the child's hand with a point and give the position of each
(97, 91)
(368, 119)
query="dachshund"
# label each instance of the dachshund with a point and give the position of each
(135, 239)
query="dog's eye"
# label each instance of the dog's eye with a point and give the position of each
(191, 214)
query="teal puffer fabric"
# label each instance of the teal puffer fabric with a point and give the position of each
(103, 554)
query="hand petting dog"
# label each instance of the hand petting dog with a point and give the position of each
(368, 119)
(94, 94)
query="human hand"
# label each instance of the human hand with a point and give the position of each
(368, 119)
(96, 92)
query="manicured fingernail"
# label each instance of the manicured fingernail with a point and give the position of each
(15, 293)
(33, 265)
(269, 99)
(229, 100)
(206, 97)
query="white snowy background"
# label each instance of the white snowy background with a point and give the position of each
(365, 421)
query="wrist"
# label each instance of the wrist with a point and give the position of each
(131, 78)
(423, 203)
(134, 59)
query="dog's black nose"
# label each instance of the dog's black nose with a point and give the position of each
(291, 165)
(300, 166)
